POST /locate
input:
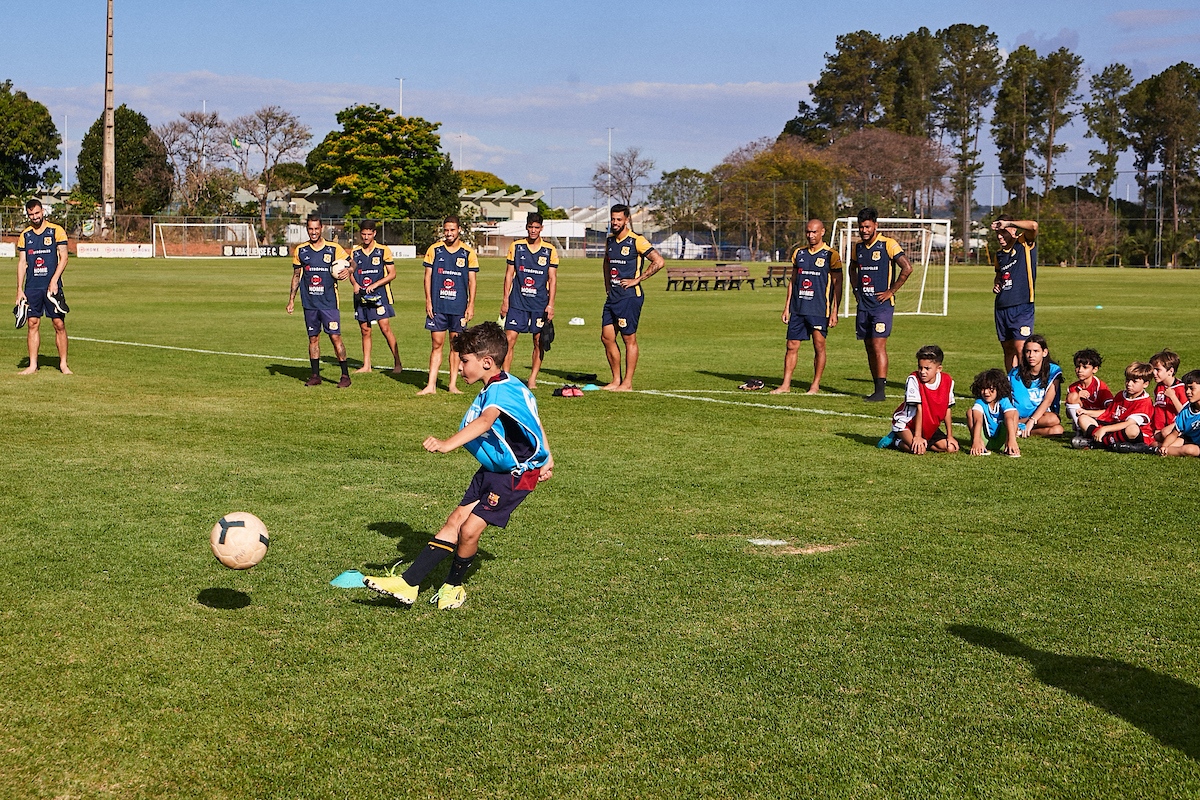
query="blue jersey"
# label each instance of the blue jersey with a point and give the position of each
(1187, 422)
(516, 442)
(992, 417)
(318, 288)
(1016, 274)
(370, 267)
(1028, 398)
(449, 282)
(41, 253)
(812, 289)
(624, 256)
(531, 275)
(877, 270)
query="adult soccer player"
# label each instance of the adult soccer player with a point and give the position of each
(1016, 274)
(450, 271)
(372, 270)
(41, 259)
(877, 271)
(625, 256)
(315, 266)
(530, 283)
(810, 308)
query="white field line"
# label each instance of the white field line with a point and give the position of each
(211, 352)
(745, 393)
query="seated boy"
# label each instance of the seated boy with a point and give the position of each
(503, 431)
(1169, 394)
(1182, 436)
(993, 407)
(928, 396)
(1123, 427)
(1088, 393)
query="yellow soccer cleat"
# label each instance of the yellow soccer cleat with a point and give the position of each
(395, 587)
(449, 597)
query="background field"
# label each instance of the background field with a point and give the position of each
(983, 627)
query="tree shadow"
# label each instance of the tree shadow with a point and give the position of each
(223, 598)
(872, 441)
(1163, 706)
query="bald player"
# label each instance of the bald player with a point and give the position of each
(877, 271)
(810, 309)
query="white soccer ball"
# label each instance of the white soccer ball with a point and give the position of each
(239, 540)
(340, 269)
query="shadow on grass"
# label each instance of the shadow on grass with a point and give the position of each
(409, 543)
(223, 598)
(412, 377)
(1164, 707)
(738, 380)
(43, 361)
(570, 376)
(873, 441)
(299, 373)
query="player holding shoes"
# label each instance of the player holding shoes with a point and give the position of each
(314, 267)
(41, 259)
(372, 270)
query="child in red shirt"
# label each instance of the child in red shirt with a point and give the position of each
(1123, 427)
(1170, 395)
(1089, 393)
(928, 396)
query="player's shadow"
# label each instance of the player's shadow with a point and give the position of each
(412, 377)
(299, 373)
(43, 361)
(873, 441)
(409, 543)
(215, 597)
(737, 380)
(1163, 706)
(571, 376)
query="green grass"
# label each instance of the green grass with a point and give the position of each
(988, 628)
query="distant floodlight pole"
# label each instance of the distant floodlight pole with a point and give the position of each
(108, 188)
(610, 130)
(400, 110)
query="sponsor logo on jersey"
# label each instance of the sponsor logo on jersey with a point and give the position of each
(1006, 276)
(448, 284)
(530, 282)
(39, 262)
(806, 283)
(315, 280)
(366, 281)
(866, 280)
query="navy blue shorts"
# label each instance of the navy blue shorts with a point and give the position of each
(623, 314)
(365, 312)
(39, 306)
(524, 321)
(1014, 323)
(801, 327)
(328, 318)
(875, 323)
(497, 494)
(455, 323)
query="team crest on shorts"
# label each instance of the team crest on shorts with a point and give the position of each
(880, 327)
(1026, 330)
(540, 322)
(333, 326)
(493, 499)
(621, 323)
(380, 311)
(462, 321)
(875, 256)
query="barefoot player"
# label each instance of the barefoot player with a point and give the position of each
(372, 270)
(450, 270)
(530, 283)
(41, 259)
(625, 255)
(810, 309)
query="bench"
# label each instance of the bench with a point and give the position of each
(722, 276)
(731, 276)
(779, 273)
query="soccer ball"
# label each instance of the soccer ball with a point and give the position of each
(239, 540)
(339, 269)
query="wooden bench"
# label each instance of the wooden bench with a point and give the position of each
(731, 276)
(722, 276)
(779, 273)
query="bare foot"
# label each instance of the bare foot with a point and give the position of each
(814, 390)
(427, 390)
(531, 385)
(32, 368)
(781, 390)
(364, 368)
(622, 388)
(455, 390)
(610, 387)
(64, 369)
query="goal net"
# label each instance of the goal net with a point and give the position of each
(206, 240)
(926, 242)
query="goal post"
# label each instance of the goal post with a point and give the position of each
(206, 240)
(926, 242)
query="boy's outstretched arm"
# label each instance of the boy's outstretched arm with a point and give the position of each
(473, 430)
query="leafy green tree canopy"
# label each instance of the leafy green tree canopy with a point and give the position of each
(28, 141)
(143, 175)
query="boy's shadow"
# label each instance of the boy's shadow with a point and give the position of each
(873, 441)
(1163, 706)
(409, 543)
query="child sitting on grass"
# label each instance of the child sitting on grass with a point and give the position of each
(1037, 386)
(1169, 394)
(928, 396)
(1182, 436)
(1088, 393)
(993, 408)
(1123, 427)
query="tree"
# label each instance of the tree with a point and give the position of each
(1103, 115)
(890, 170)
(28, 141)
(681, 198)
(259, 142)
(293, 175)
(622, 180)
(970, 69)
(855, 82)
(1018, 111)
(474, 180)
(1058, 83)
(1174, 104)
(197, 146)
(389, 166)
(807, 125)
(143, 174)
(915, 62)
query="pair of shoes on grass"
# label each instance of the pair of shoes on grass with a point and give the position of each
(752, 385)
(315, 380)
(396, 587)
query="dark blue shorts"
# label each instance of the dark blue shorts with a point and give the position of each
(365, 312)
(328, 318)
(623, 314)
(455, 323)
(498, 494)
(874, 323)
(39, 306)
(524, 321)
(801, 327)
(1014, 323)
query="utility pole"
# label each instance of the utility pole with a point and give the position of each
(108, 185)
(610, 130)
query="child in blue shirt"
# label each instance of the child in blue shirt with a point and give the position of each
(1182, 437)
(993, 407)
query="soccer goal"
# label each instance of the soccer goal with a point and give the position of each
(926, 242)
(206, 240)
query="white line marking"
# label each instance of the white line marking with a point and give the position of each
(743, 392)
(215, 352)
(758, 405)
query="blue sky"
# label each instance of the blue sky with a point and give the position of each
(528, 90)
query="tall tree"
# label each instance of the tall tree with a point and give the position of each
(916, 58)
(1174, 104)
(808, 125)
(259, 142)
(1103, 115)
(28, 142)
(198, 147)
(626, 175)
(681, 197)
(143, 173)
(890, 170)
(1018, 111)
(970, 70)
(1141, 129)
(1058, 83)
(855, 84)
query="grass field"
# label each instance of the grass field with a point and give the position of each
(942, 626)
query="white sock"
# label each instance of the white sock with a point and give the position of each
(1073, 413)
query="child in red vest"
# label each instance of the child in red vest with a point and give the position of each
(928, 396)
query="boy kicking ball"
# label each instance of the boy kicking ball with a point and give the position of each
(501, 429)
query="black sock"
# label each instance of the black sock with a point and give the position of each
(345, 369)
(880, 385)
(434, 553)
(458, 569)
(315, 363)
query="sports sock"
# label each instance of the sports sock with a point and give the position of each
(458, 569)
(434, 553)
(315, 363)
(880, 385)
(345, 369)
(1073, 413)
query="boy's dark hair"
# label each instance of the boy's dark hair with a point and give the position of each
(312, 218)
(931, 352)
(484, 339)
(1023, 368)
(868, 214)
(1088, 356)
(620, 208)
(534, 216)
(1139, 370)
(1165, 358)
(453, 218)
(1190, 377)
(368, 225)
(993, 378)
(32, 203)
